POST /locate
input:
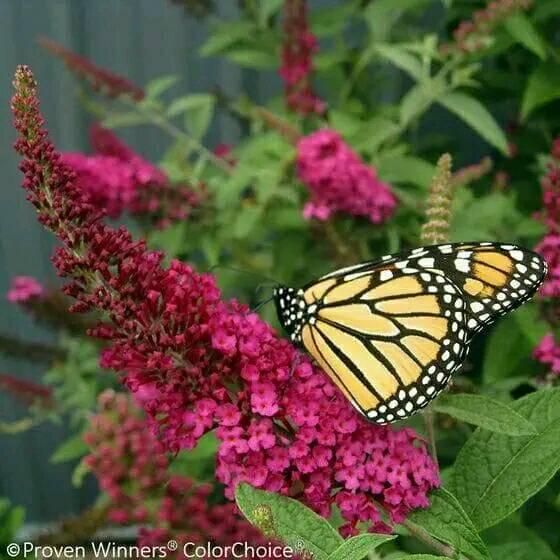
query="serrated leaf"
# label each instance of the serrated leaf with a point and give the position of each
(476, 116)
(156, 87)
(447, 521)
(495, 474)
(357, 548)
(293, 523)
(485, 412)
(72, 448)
(522, 30)
(542, 88)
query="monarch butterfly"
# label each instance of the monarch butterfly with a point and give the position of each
(391, 332)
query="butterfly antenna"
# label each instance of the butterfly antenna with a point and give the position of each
(261, 303)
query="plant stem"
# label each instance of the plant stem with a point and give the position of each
(429, 417)
(160, 120)
(427, 539)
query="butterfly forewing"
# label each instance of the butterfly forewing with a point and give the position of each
(391, 332)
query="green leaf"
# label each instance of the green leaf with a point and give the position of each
(382, 15)
(542, 88)
(530, 321)
(447, 521)
(156, 87)
(511, 341)
(80, 472)
(119, 120)
(11, 520)
(171, 239)
(487, 413)
(420, 557)
(522, 30)
(198, 109)
(405, 169)
(495, 474)
(225, 35)
(512, 541)
(252, 58)
(268, 8)
(546, 9)
(288, 520)
(357, 548)
(372, 134)
(245, 220)
(476, 116)
(198, 463)
(417, 100)
(72, 448)
(401, 59)
(346, 124)
(332, 20)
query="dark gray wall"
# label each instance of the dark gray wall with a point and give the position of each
(141, 39)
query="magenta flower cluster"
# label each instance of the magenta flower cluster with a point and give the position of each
(549, 247)
(118, 180)
(200, 363)
(24, 289)
(548, 351)
(132, 468)
(339, 181)
(297, 60)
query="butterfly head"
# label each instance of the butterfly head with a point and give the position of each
(290, 307)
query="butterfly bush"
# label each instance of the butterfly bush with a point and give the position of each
(297, 60)
(548, 351)
(200, 363)
(339, 181)
(26, 391)
(24, 289)
(132, 468)
(100, 79)
(475, 34)
(118, 180)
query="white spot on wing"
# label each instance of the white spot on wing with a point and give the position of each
(462, 265)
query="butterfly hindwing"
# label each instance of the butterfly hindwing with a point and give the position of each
(391, 332)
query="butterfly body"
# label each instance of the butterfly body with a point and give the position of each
(390, 333)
